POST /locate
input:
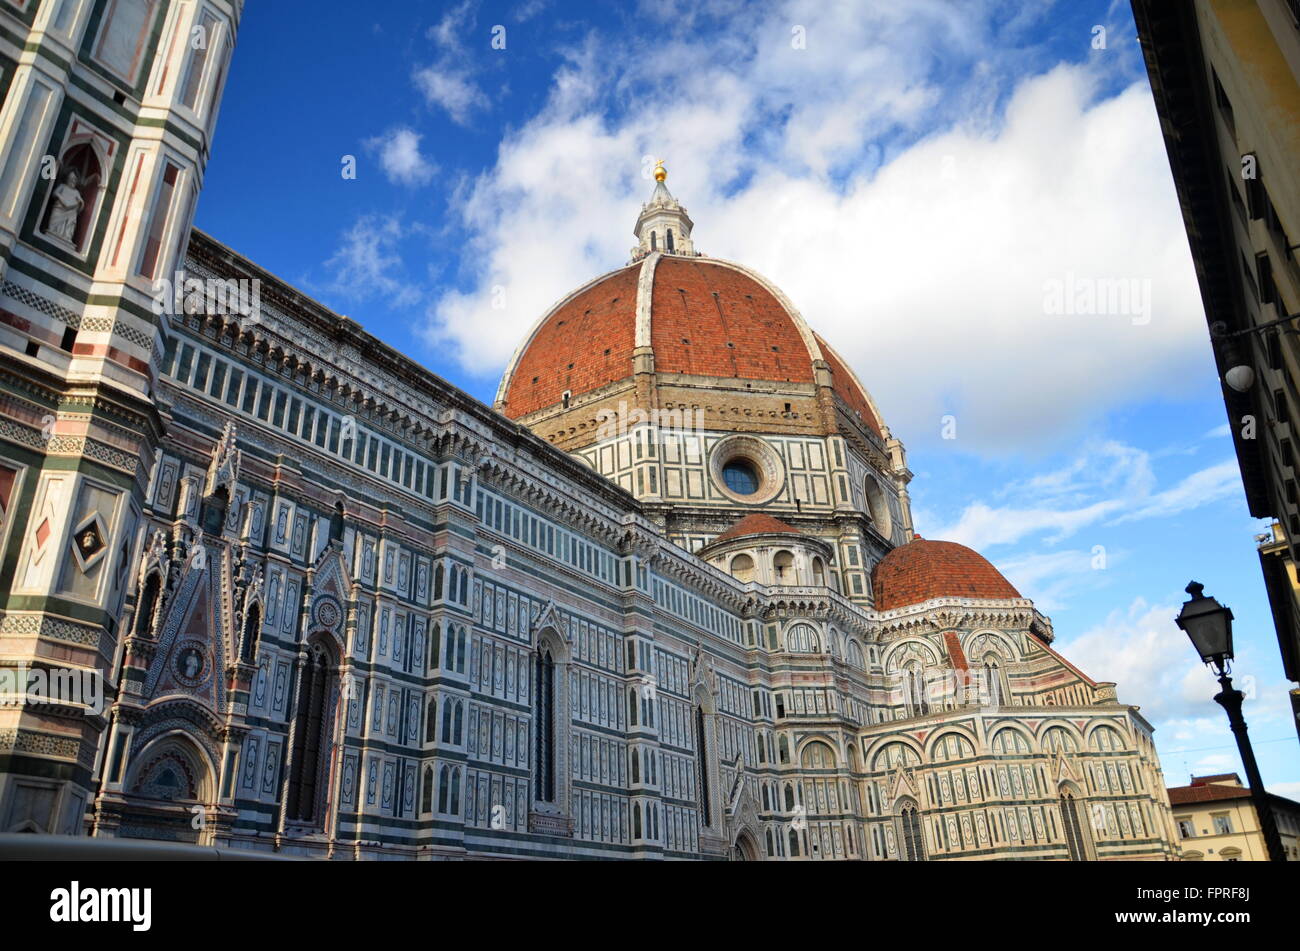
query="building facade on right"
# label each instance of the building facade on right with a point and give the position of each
(1218, 822)
(1225, 75)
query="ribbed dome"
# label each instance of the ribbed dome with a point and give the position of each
(922, 569)
(697, 316)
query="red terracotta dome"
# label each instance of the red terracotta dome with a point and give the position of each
(699, 317)
(757, 523)
(922, 569)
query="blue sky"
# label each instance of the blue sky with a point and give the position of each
(920, 178)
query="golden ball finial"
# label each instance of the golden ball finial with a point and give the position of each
(660, 172)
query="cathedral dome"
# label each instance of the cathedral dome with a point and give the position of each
(698, 317)
(685, 324)
(924, 569)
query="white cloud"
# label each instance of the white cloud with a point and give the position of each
(455, 22)
(1221, 481)
(368, 265)
(400, 158)
(448, 83)
(1051, 578)
(1150, 660)
(451, 89)
(913, 227)
(1105, 484)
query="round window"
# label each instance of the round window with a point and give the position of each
(740, 476)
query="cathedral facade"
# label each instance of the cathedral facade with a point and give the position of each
(663, 600)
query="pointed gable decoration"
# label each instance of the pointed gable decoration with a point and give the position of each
(1064, 770)
(903, 785)
(224, 470)
(548, 617)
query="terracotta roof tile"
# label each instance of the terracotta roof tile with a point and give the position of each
(923, 569)
(583, 346)
(1183, 795)
(758, 523)
(707, 319)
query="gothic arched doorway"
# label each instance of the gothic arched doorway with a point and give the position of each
(744, 849)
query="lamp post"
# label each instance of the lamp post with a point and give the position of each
(1209, 625)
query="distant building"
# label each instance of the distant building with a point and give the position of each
(1218, 822)
(1226, 79)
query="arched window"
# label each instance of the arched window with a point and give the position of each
(447, 717)
(336, 523)
(1105, 739)
(877, 507)
(783, 567)
(819, 571)
(912, 845)
(789, 797)
(444, 788)
(148, 605)
(702, 747)
(802, 639)
(426, 790)
(437, 582)
(1074, 830)
(671, 249)
(252, 631)
(431, 722)
(993, 682)
(636, 820)
(654, 241)
(311, 739)
(817, 755)
(914, 683)
(742, 568)
(636, 766)
(544, 721)
(1058, 740)
(435, 646)
(631, 706)
(458, 734)
(455, 791)
(855, 655)
(794, 844)
(215, 507)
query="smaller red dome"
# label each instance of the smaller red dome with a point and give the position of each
(757, 523)
(923, 569)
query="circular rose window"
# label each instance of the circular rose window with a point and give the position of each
(746, 469)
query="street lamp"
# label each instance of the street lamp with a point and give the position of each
(1209, 625)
